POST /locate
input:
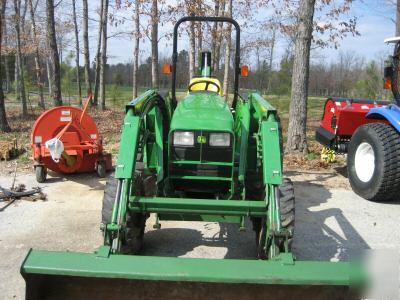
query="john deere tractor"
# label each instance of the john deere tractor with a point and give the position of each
(199, 159)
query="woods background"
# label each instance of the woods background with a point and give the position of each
(55, 52)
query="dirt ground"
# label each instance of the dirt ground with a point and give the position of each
(331, 224)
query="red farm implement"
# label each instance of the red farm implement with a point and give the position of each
(65, 139)
(341, 118)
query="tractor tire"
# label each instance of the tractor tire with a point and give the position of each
(287, 214)
(373, 162)
(101, 169)
(41, 173)
(132, 241)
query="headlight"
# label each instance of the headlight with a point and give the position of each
(183, 138)
(220, 139)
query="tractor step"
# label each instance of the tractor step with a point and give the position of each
(70, 275)
(198, 206)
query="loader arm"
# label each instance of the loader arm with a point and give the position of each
(130, 144)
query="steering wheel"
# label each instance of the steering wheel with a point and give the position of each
(207, 83)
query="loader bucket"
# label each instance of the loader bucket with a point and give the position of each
(69, 275)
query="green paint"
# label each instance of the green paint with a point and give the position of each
(202, 111)
(128, 146)
(198, 206)
(271, 151)
(189, 269)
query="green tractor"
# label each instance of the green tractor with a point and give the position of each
(198, 159)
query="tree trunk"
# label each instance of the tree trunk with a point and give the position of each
(17, 82)
(38, 68)
(199, 32)
(97, 71)
(136, 39)
(192, 50)
(155, 77)
(220, 34)
(398, 18)
(86, 52)
(103, 56)
(214, 32)
(4, 127)
(297, 139)
(78, 77)
(227, 53)
(55, 61)
(271, 58)
(6, 66)
(199, 41)
(7, 72)
(49, 76)
(20, 70)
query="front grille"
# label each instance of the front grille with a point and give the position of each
(200, 170)
(202, 152)
(185, 153)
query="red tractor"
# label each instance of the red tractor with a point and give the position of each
(368, 131)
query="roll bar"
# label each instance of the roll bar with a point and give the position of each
(237, 52)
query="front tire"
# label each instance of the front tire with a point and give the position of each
(132, 239)
(373, 162)
(287, 216)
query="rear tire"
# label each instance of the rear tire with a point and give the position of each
(132, 240)
(373, 162)
(41, 174)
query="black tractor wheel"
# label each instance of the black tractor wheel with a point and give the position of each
(287, 214)
(41, 173)
(101, 169)
(132, 240)
(373, 162)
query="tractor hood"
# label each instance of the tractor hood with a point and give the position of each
(202, 111)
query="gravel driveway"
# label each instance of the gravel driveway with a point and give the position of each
(332, 223)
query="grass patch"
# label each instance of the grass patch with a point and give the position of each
(109, 121)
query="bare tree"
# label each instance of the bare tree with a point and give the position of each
(192, 39)
(38, 68)
(155, 76)
(199, 29)
(6, 62)
(297, 139)
(219, 36)
(55, 61)
(214, 31)
(98, 57)
(136, 39)
(4, 127)
(78, 77)
(398, 18)
(17, 24)
(227, 52)
(103, 56)
(86, 52)
(49, 76)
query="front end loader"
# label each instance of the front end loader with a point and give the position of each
(198, 159)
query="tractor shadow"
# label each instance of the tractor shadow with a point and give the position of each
(207, 240)
(89, 179)
(323, 232)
